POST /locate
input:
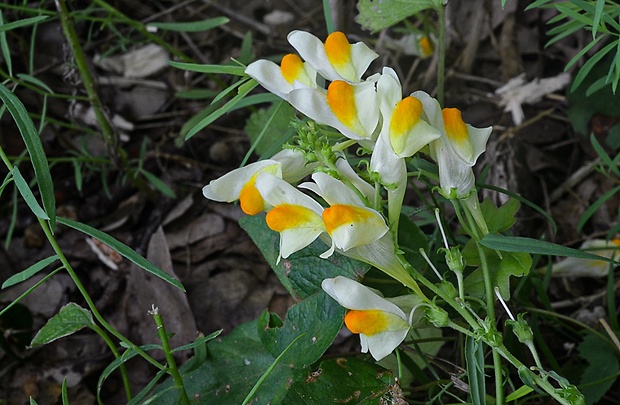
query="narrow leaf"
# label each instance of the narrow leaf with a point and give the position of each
(123, 250)
(67, 321)
(29, 272)
(593, 208)
(243, 91)
(35, 150)
(219, 69)
(23, 23)
(26, 193)
(535, 246)
(191, 26)
(158, 184)
(598, 13)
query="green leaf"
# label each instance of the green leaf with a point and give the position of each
(235, 362)
(123, 250)
(602, 370)
(269, 128)
(410, 240)
(344, 380)
(376, 15)
(216, 69)
(23, 23)
(535, 247)
(318, 317)
(244, 90)
(474, 358)
(191, 26)
(303, 272)
(35, 150)
(595, 207)
(67, 321)
(27, 195)
(499, 219)
(598, 13)
(501, 269)
(33, 80)
(590, 63)
(519, 393)
(29, 272)
(4, 46)
(158, 184)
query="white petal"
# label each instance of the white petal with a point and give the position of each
(382, 344)
(269, 75)
(334, 191)
(478, 138)
(294, 166)
(277, 191)
(228, 187)
(347, 171)
(312, 50)
(353, 295)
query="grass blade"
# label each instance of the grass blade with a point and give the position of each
(35, 150)
(123, 250)
(216, 69)
(29, 272)
(191, 26)
(26, 192)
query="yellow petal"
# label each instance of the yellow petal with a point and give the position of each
(405, 116)
(291, 67)
(338, 49)
(250, 199)
(426, 46)
(367, 322)
(339, 214)
(341, 100)
(456, 130)
(287, 216)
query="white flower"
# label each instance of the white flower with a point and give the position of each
(336, 59)
(239, 185)
(281, 80)
(382, 325)
(294, 215)
(348, 221)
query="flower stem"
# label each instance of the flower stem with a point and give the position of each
(172, 366)
(441, 62)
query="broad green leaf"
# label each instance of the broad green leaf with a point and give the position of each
(27, 195)
(499, 219)
(29, 272)
(410, 240)
(501, 269)
(269, 128)
(216, 69)
(318, 318)
(123, 250)
(192, 26)
(67, 321)
(344, 380)
(376, 15)
(35, 150)
(603, 368)
(535, 247)
(303, 272)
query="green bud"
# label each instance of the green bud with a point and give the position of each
(521, 329)
(571, 394)
(437, 316)
(454, 259)
(448, 288)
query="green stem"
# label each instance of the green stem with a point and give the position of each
(490, 309)
(108, 134)
(441, 62)
(173, 370)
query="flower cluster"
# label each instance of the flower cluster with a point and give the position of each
(373, 113)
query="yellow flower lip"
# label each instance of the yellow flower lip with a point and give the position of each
(291, 66)
(250, 199)
(341, 100)
(338, 49)
(368, 322)
(457, 132)
(339, 214)
(288, 216)
(406, 115)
